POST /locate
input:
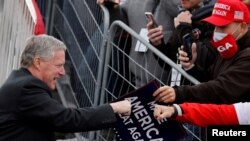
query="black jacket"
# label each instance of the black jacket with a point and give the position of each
(204, 47)
(228, 79)
(28, 112)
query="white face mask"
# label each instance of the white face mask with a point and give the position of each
(219, 36)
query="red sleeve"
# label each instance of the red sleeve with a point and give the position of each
(208, 114)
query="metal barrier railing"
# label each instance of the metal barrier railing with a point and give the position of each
(118, 80)
(97, 72)
(82, 26)
(16, 25)
(86, 54)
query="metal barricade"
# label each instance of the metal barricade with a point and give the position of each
(118, 80)
(97, 72)
(82, 26)
(16, 25)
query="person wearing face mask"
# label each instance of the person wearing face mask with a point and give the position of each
(225, 42)
(228, 75)
(186, 22)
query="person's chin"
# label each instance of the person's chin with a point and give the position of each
(52, 87)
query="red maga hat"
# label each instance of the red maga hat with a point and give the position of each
(228, 11)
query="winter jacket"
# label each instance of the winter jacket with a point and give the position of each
(29, 113)
(228, 79)
(213, 114)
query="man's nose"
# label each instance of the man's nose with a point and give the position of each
(62, 71)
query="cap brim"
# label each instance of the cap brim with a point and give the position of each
(217, 21)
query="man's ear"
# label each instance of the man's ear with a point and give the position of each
(244, 27)
(37, 62)
(246, 2)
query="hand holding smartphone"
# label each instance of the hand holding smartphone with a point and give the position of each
(187, 45)
(150, 17)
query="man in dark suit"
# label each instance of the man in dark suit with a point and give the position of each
(27, 110)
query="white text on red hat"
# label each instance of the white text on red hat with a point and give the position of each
(222, 6)
(221, 9)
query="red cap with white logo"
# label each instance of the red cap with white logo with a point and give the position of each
(228, 11)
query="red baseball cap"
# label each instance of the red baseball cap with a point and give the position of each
(228, 11)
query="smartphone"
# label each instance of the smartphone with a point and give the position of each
(150, 17)
(187, 45)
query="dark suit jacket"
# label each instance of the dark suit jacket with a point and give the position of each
(28, 112)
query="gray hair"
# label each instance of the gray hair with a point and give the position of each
(43, 46)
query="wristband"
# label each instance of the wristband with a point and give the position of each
(178, 109)
(175, 112)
